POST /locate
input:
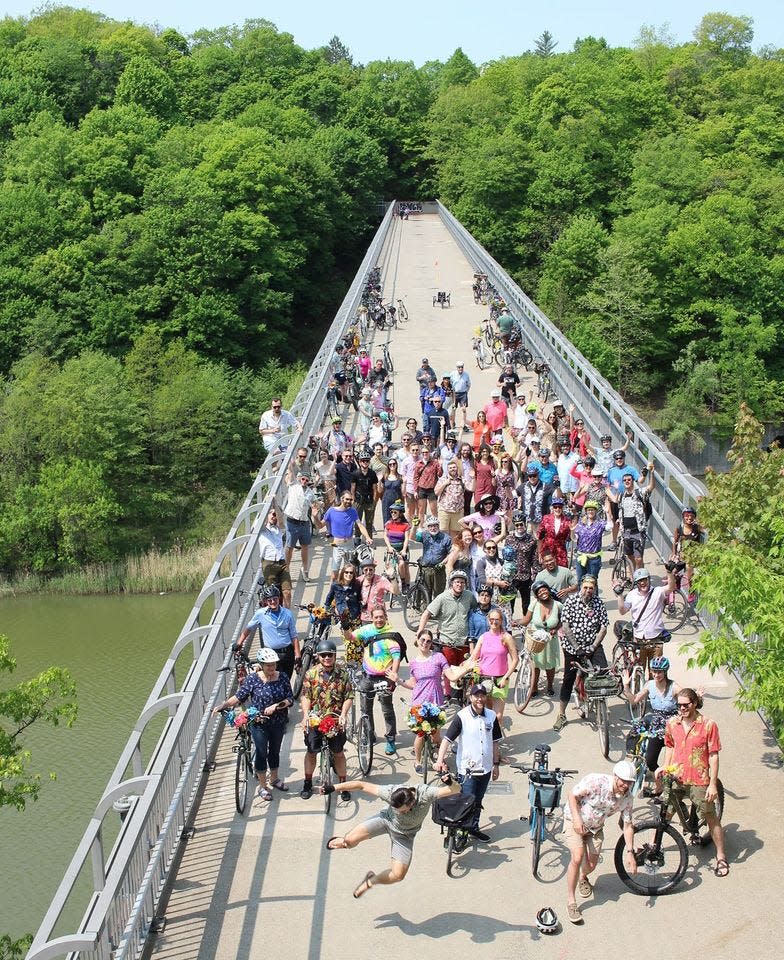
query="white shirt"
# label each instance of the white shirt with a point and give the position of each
(271, 544)
(299, 501)
(283, 423)
(475, 744)
(652, 621)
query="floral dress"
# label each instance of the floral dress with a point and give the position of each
(555, 540)
(505, 490)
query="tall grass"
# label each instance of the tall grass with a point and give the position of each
(172, 571)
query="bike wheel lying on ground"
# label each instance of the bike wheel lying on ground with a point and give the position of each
(660, 866)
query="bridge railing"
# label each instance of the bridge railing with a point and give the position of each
(579, 382)
(157, 793)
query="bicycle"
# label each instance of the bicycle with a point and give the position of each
(662, 857)
(455, 814)
(622, 567)
(417, 598)
(318, 628)
(544, 790)
(678, 607)
(243, 771)
(326, 764)
(543, 382)
(515, 355)
(482, 355)
(592, 688)
(358, 727)
(402, 312)
(626, 658)
(388, 366)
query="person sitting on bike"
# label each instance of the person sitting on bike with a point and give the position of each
(382, 651)
(476, 731)
(508, 381)
(632, 517)
(345, 599)
(506, 325)
(436, 544)
(584, 623)
(588, 805)
(339, 522)
(661, 696)
(326, 689)
(401, 821)
(450, 610)
(687, 531)
(646, 605)
(692, 745)
(397, 531)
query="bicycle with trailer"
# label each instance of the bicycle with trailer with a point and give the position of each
(544, 797)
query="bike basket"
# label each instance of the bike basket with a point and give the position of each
(603, 685)
(455, 810)
(534, 641)
(544, 791)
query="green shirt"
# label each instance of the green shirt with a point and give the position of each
(409, 823)
(560, 579)
(451, 612)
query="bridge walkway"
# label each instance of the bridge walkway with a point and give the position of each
(263, 884)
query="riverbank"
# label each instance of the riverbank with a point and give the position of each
(179, 570)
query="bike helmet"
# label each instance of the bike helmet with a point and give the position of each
(484, 588)
(538, 585)
(270, 593)
(597, 472)
(532, 471)
(605, 438)
(546, 920)
(619, 454)
(508, 553)
(688, 509)
(397, 506)
(557, 502)
(591, 505)
(326, 646)
(544, 452)
(625, 770)
(458, 575)
(557, 402)
(431, 521)
(364, 453)
(589, 462)
(267, 655)
(518, 516)
(660, 663)
(641, 574)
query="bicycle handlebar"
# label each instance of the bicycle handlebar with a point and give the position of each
(526, 769)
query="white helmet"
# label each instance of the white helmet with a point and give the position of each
(267, 655)
(546, 920)
(625, 770)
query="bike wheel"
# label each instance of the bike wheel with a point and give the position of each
(603, 726)
(243, 774)
(325, 775)
(427, 758)
(484, 357)
(525, 357)
(402, 312)
(636, 684)
(676, 610)
(417, 599)
(299, 675)
(365, 745)
(623, 571)
(350, 728)
(388, 361)
(522, 687)
(662, 859)
(536, 818)
(499, 353)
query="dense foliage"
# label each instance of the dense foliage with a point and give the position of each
(740, 575)
(637, 194)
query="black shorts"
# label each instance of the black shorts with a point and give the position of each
(314, 740)
(614, 511)
(426, 493)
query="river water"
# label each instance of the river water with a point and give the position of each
(115, 648)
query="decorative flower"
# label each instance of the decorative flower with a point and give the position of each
(424, 718)
(252, 712)
(328, 726)
(314, 719)
(240, 720)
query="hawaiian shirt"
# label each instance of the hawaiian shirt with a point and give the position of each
(692, 748)
(597, 801)
(525, 551)
(327, 692)
(584, 620)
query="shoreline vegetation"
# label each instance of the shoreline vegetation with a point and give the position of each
(178, 570)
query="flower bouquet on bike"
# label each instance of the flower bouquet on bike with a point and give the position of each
(239, 717)
(425, 718)
(327, 726)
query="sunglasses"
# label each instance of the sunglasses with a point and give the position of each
(327, 655)
(684, 706)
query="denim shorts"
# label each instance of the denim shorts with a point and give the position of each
(299, 533)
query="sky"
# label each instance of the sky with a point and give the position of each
(422, 30)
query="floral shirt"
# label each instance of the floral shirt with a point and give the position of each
(584, 620)
(596, 801)
(263, 693)
(692, 748)
(327, 692)
(525, 550)
(451, 495)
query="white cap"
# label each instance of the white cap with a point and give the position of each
(625, 770)
(495, 392)
(459, 363)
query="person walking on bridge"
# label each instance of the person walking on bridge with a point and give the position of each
(461, 384)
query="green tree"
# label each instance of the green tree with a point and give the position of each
(740, 572)
(337, 52)
(459, 70)
(726, 35)
(545, 44)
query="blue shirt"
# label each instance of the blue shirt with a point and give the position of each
(340, 523)
(277, 629)
(478, 622)
(547, 473)
(435, 549)
(615, 476)
(461, 382)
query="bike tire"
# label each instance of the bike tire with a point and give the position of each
(653, 877)
(450, 850)
(536, 818)
(402, 312)
(499, 354)
(427, 758)
(623, 571)
(676, 610)
(526, 358)
(242, 778)
(365, 745)
(388, 361)
(489, 336)
(325, 775)
(483, 358)
(522, 687)
(636, 683)
(350, 728)
(299, 676)
(417, 599)
(603, 726)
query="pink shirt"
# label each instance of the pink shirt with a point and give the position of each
(496, 412)
(493, 656)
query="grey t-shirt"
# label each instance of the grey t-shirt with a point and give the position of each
(561, 578)
(409, 823)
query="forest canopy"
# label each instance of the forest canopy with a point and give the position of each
(180, 216)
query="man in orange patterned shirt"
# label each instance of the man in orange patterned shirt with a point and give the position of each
(692, 745)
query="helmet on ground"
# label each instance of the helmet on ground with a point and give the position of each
(508, 553)
(267, 655)
(458, 575)
(546, 920)
(397, 505)
(431, 520)
(270, 593)
(518, 516)
(660, 663)
(625, 770)
(326, 646)
(641, 574)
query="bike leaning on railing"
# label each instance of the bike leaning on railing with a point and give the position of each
(544, 796)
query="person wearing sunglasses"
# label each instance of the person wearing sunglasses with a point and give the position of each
(276, 426)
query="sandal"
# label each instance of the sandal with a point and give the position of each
(335, 848)
(722, 868)
(365, 885)
(264, 795)
(279, 785)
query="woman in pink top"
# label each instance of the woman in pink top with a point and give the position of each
(484, 467)
(496, 657)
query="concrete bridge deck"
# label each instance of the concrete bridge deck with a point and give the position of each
(263, 885)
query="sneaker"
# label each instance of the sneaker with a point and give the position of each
(345, 796)
(307, 791)
(560, 722)
(305, 576)
(390, 749)
(477, 834)
(585, 888)
(573, 913)
(612, 547)
(418, 768)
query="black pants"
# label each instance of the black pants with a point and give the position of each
(597, 658)
(435, 579)
(523, 587)
(286, 662)
(367, 698)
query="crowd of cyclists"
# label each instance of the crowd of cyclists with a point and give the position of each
(502, 520)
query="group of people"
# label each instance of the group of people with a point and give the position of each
(517, 511)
